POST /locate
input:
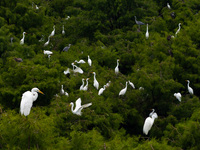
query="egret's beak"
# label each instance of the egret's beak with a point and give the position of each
(41, 92)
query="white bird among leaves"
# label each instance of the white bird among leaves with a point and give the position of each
(85, 88)
(123, 91)
(168, 6)
(47, 43)
(81, 87)
(179, 28)
(147, 33)
(53, 32)
(178, 96)
(149, 123)
(22, 40)
(27, 100)
(117, 67)
(63, 30)
(102, 90)
(89, 61)
(190, 90)
(80, 61)
(96, 83)
(131, 84)
(78, 107)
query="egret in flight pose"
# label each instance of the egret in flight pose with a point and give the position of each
(147, 33)
(123, 91)
(89, 61)
(78, 107)
(178, 96)
(179, 28)
(22, 40)
(117, 67)
(96, 83)
(27, 100)
(190, 90)
(149, 123)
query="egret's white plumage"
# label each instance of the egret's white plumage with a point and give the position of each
(78, 107)
(63, 30)
(178, 96)
(85, 88)
(53, 32)
(89, 61)
(80, 61)
(47, 43)
(102, 90)
(168, 6)
(147, 33)
(123, 91)
(47, 52)
(131, 84)
(149, 123)
(67, 71)
(62, 92)
(190, 90)
(22, 40)
(78, 69)
(96, 83)
(179, 28)
(150, 115)
(117, 67)
(81, 87)
(27, 101)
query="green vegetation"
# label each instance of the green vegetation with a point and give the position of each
(106, 31)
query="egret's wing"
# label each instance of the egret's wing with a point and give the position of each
(86, 105)
(154, 115)
(67, 71)
(26, 103)
(147, 125)
(78, 104)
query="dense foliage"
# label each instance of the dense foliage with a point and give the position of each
(106, 31)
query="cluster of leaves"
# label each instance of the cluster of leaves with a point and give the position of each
(106, 31)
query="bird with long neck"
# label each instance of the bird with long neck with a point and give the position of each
(85, 88)
(117, 67)
(139, 22)
(22, 40)
(190, 90)
(149, 123)
(179, 28)
(81, 87)
(147, 33)
(102, 90)
(47, 43)
(123, 91)
(96, 83)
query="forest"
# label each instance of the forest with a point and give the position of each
(113, 34)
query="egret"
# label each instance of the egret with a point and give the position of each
(147, 33)
(22, 40)
(89, 61)
(47, 52)
(190, 90)
(108, 84)
(81, 87)
(117, 67)
(96, 83)
(78, 69)
(179, 27)
(67, 71)
(53, 32)
(153, 110)
(65, 49)
(102, 90)
(66, 94)
(78, 107)
(139, 22)
(63, 30)
(85, 88)
(149, 123)
(123, 91)
(62, 92)
(80, 61)
(131, 84)
(178, 96)
(168, 6)
(47, 43)
(27, 100)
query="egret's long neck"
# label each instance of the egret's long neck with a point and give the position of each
(135, 19)
(179, 26)
(126, 85)
(188, 84)
(86, 83)
(147, 27)
(23, 35)
(72, 107)
(94, 76)
(117, 63)
(83, 82)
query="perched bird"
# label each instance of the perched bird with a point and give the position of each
(77, 69)
(63, 30)
(85, 88)
(62, 92)
(178, 96)
(22, 40)
(190, 90)
(139, 22)
(123, 91)
(78, 107)
(168, 6)
(179, 28)
(65, 49)
(89, 61)
(117, 67)
(18, 59)
(53, 32)
(47, 43)
(153, 110)
(131, 84)
(149, 123)
(147, 33)
(96, 83)
(27, 100)
(102, 90)
(67, 71)
(81, 87)
(80, 61)
(47, 52)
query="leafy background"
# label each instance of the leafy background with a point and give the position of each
(105, 30)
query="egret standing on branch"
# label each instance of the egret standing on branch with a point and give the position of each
(123, 91)
(179, 28)
(96, 83)
(147, 33)
(89, 61)
(117, 67)
(190, 90)
(47, 43)
(27, 101)
(53, 32)
(139, 22)
(178, 96)
(168, 6)
(22, 40)
(63, 30)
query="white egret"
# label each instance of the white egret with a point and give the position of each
(47, 43)
(53, 32)
(47, 52)
(27, 100)
(63, 30)
(150, 115)
(22, 40)
(179, 28)
(168, 6)
(190, 90)
(67, 18)
(89, 61)
(123, 91)
(78, 69)
(131, 84)
(149, 123)
(67, 71)
(102, 90)
(85, 88)
(96, 83)
(80, 61)
(66, 94)
(117, 67)
(62, 92)
(78, 107)
(81, 87)
(147, 33)
(178, 96)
